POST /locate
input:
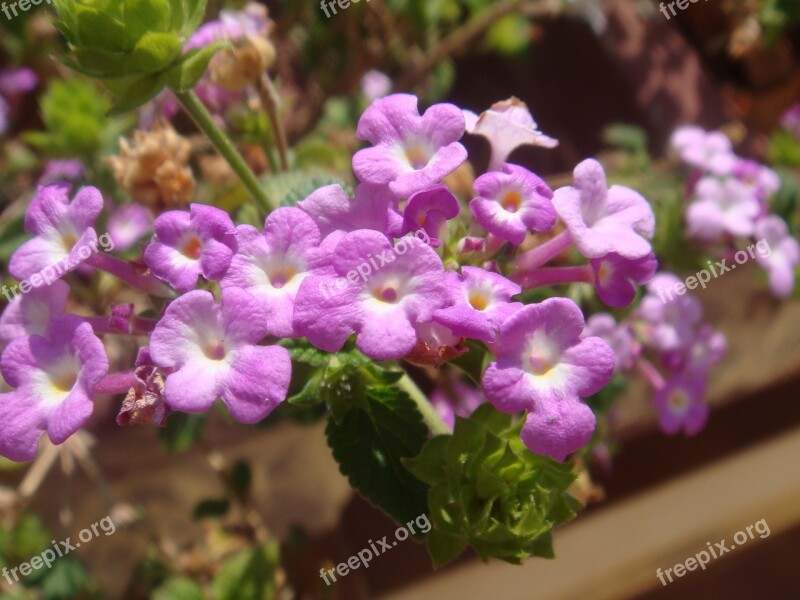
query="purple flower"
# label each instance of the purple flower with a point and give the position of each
(410, 152)
(507, 125)
(618, 336)
(602, 220)
(722, 207)
(272, 265)
(252, 20)
(478, 302)
(680, 405)
(708, 151)
(706, 349)
(375, 85)
(426, 211)
(189, 244)
(511, 202)
(12, 83)
(460, 400)
(380, 294)
(70, 169)
(791, 120)
(54, 377)
(332, 210)
(63, 229)
(761, 181)
(781, 255)
(32, 313)
(615, 277)
(128, 224)
(213, 351)
(543, 366)
(667, 324)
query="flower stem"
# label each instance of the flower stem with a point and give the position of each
(125, 271)
(223, 144)
(533, 259)
(269, 100)
(429, 416)
(554, 276)
(118, 383)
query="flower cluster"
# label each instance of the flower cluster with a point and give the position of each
(672, 348)
(233, 291)
(729, 202)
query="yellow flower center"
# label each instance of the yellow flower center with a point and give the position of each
(280, 278)
(192, 248)
(215, 350)
(63, 384)
(417, 157)
(386, 293)
(512, 201)
(478, 301)
(678, 401)
(540, 365)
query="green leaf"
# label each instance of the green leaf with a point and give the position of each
(211, 509)
(490, 492)
(370, 444)
(154, 52)
(185, 75)
(182, 431)
(445, 548)
(473, 362)
(178, 588)
(65, 580)
(249, 575)
(133, 92)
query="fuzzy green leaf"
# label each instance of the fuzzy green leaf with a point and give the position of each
(370, 444)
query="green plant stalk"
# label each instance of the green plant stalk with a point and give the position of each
(429, 416)
(224, 145)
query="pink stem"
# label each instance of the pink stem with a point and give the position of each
(125, 271)
(533, 259)
(650, 373)
(139, 325)
(118, 383)
(554, 276)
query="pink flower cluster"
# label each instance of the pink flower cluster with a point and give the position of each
(672, 348)
(729, 203)
(275, 283)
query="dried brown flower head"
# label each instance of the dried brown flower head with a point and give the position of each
(153, 167)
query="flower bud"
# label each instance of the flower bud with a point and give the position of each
(237, 67)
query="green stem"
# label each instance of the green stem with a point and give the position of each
(222, 142)
(429, 416)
